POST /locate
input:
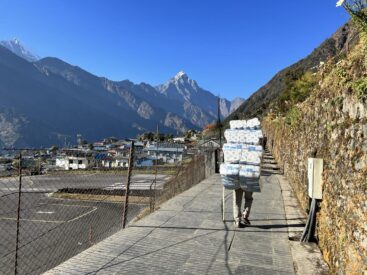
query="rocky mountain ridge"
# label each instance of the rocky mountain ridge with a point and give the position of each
(51, 101)
(260, 102)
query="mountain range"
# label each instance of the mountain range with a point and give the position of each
(48, 101)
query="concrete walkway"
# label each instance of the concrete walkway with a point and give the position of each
(187, 236)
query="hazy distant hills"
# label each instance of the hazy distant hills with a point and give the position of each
(48, 101)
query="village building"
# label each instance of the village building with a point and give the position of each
(74, 160)
(167, 152)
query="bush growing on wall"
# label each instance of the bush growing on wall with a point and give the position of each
(297, 90)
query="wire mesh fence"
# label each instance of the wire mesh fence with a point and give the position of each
(52, 207)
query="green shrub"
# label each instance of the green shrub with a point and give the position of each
(292, 117)
(297, 90)
(336, 102)
(360, 88)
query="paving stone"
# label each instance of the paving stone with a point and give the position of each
(186, 235)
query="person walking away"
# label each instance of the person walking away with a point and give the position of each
(241, 219)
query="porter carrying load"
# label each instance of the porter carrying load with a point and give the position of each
(242, 164)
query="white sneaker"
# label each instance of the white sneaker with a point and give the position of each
(238, 224)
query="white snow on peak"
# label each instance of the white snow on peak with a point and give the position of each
(17, 48)
(179, 75)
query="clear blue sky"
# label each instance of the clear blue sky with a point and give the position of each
(231, 47)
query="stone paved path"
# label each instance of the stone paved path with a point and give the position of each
(187, 236)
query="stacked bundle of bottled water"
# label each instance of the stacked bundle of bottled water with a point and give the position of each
(242, 155)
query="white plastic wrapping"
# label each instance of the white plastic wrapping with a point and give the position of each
(253, 148)
(250, 184)
(253, 123)
(243, 136)
(231, 182)
(250, 178)
(253, 136)
(231, 136)
(228, 169)
(235, 136)
(232, 152)
(238, 124)
(249, 171)
(242, 147)
(230, 175)
(251, 154)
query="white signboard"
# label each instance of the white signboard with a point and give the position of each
(314, 174)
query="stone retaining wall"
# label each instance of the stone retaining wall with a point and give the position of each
(332, 124)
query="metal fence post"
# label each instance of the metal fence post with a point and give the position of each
(18, 214)
(127, 189)
(153, 194)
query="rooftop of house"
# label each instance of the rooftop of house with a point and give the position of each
(166, 148)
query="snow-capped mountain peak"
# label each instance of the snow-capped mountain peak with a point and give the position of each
(17, 48)
(180, 87)
(183, 89)
(182, 81)
(180, 74)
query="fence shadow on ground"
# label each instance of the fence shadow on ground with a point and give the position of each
(48, 216)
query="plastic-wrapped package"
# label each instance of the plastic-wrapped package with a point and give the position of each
(250, 178)
(231, 182)
(249, 171)
(228, 169)
(253, 136)
(258, 133)
(252, 139)
(253, 148)
(250, 184)
(242, 147)
(253, 123)
(236, 136)
(229, 174)
(237, 124)
(231, 136)
(251, 154)
(232, 152)
(242, 135)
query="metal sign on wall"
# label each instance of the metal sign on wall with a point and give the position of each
(314, 171)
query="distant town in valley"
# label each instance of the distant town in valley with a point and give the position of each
(149, 149)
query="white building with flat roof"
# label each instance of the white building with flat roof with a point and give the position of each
(167, 152)
(74, 160)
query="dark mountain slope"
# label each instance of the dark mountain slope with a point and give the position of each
(258, 103)
(143, 99)
(46, 107)
(40, 108)
(145, 105)
(49, 102)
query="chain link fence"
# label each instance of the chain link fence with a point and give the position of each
(53, 208)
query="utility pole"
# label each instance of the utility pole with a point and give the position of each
(127, 189)
(219, 124)
(18, 214)
(153, 194)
